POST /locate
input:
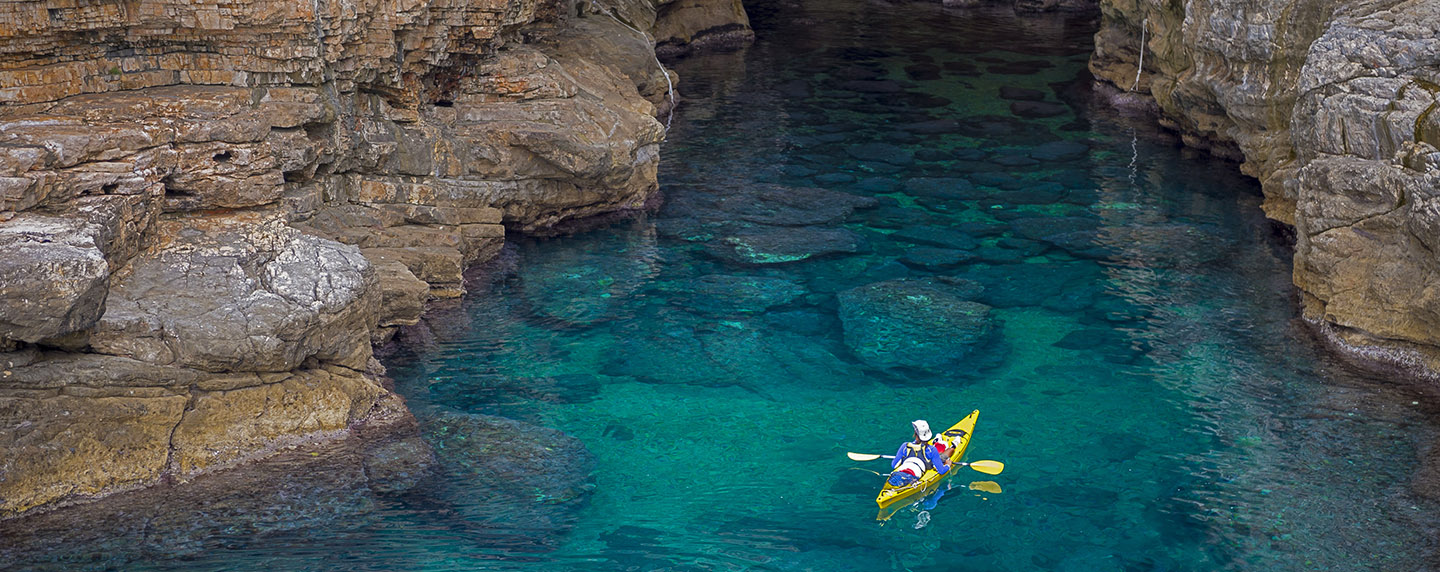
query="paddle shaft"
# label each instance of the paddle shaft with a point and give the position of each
(987, 467)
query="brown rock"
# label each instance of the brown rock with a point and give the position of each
(404, 295)
(222, 427)
(686, 26)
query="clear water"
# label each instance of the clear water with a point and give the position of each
(1148, 386)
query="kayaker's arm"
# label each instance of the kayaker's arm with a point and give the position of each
(936, 460)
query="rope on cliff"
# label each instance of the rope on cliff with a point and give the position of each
(1143, 24)
(669, 86)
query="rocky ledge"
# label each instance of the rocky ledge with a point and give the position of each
(1331, 105)
(209, 212)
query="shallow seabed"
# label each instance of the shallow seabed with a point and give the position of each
(1142, 371)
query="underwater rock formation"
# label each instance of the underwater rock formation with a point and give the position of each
(334, 494)
(209, 213)
(1331, 106)
(918, 324)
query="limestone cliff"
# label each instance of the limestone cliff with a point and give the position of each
(209, 210)
(1331, 106)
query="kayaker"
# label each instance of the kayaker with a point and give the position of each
(913, 458)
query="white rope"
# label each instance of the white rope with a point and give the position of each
(1144, 24)
(1134, 156)
(669, 87)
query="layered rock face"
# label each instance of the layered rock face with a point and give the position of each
(210, 210)
(1331, 105)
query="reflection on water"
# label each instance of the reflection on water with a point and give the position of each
(880, 212)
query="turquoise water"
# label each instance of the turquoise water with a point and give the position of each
(1137, 357)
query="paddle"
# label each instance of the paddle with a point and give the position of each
(987, 467)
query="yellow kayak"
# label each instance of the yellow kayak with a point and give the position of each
(956, 439)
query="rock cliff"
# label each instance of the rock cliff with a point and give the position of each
(210, 210)
(1331, 106)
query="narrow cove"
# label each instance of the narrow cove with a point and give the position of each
(1139, 366)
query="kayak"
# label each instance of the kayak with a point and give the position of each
(956, 439)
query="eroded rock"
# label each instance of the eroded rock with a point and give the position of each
(241, 295)
(54, 278)
(1330, 105)
(919, 324)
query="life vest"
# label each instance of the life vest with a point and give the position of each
(916, 452)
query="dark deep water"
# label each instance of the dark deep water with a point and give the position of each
(1141, 370)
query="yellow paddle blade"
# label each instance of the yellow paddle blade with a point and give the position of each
(987, 467)
(986, 486)
(861, 457)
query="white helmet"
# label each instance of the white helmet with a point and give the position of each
(922, 429)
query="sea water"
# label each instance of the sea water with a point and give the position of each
(1141, 369)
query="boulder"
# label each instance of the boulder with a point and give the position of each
(915, 324)
(331, 488)
(238, 294)
(77, 426)
(54, 278)
(687, 26)
(521, 484)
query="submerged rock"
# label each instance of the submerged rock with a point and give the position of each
(1038, 109)
(1029, 284)
(322, 492)
(882, 152)
(769, 204)
(761, 245)
(930, 258)
(531, 464)
(1060, 151)
(938, 236)
(941, 188)
(720, 294)
(916, 324)
(1021, 94)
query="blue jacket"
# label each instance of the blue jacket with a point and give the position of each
(933, 456)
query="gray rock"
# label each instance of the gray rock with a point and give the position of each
(914, 324)
(225, 294)
(53, 277)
